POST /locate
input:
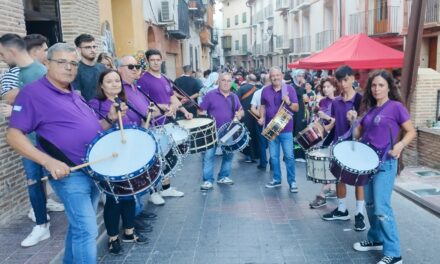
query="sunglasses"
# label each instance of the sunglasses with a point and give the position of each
(132, 66)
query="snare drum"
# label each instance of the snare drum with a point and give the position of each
(233, 139)
(169, 152)
(311, 135)
(136, 168)
(203, 133)
(277, 124)
(180, 136)
(353, 162)
(318, 166)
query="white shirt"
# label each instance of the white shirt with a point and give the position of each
(256, 98)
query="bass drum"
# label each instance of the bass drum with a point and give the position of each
(203, 133)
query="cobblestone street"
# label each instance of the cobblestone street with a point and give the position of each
(247, 223)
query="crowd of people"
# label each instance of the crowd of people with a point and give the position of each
(90, 92)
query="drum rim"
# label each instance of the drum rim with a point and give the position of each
(318, 158)
(226, 125)
(100, 176)
(210, 124)
(349, 169)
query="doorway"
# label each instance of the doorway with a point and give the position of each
(43, 17)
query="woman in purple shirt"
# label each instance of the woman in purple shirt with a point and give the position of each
(380, 127)
(329, 90)
(110, 87)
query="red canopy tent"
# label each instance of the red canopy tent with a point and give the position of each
(358, 51)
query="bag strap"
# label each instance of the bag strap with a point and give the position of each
(232, 104)
(248, 93)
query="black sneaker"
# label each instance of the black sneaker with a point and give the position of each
(336, 215)
(390, 260)
(135, 238)
(273, 184)
(367, 245)
(114, 247)
(359, 224)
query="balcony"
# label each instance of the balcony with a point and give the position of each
(379, 21)
(282, 43)
(241, 51)
(301, 45)
(324, 39)
(227, 53)
(268, 12)
(258, 50)
(268, 48)
(181, 29)
(282, 5)
(214, 36)
(302, 4)
(226, 42)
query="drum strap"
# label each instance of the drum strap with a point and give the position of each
(248, 93)
(53, 151)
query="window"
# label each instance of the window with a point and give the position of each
(243, 19)
(228, 22)
(236, 19)
(244, 42)
(237, 45)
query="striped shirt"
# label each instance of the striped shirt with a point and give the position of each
(9, 80)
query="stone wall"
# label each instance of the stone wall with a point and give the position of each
(428, 141)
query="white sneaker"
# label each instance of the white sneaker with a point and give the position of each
(54, 206)
(225, 180)
(207, 185)
(39, 233)
(171, 192)
(300, 160)
(156, 199)
(31, 215)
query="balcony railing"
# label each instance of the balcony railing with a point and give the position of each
(281, 42)
(302, 4)
(324, 39)
(432, 14)
(291, 45)
(282, 5)
(301, 45)
(268, 11)
(242, 50)
(381, 20)
(268, 48)
(260, 16)
(258, 49)
(226, 42)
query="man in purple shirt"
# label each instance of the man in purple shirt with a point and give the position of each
(343, 110)
(159, 89)
(219, 103)
(72, 127)
(271, 100)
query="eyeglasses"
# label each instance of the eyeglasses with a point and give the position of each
(64, 63)
(89, 47)
(132, 66)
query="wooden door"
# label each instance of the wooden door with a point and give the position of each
(380, 18)
(432, 60)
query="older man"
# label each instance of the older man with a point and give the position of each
(72, 127)
(224, 106)
(272, 98)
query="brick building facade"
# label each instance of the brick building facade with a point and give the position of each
(76, 17)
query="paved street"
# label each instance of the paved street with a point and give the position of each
(247, 223)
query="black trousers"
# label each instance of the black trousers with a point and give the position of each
(124, 209)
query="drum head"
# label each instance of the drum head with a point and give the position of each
(356, 155)
(163, 140)
(196, 122)
(179, 134)
(136, 153)
(320, 152)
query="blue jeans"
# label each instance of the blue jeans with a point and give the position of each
(208, 165)
(80, 195)
(285, 140)
(37, 196)
(378, 192)
(262, 141)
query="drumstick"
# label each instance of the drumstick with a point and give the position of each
(252, 114)
(150, 113)
(75, 168)
(121, 126)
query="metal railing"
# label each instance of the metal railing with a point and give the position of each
(380, 20)
(281, 42)
(268, 48)
(258, 49)
(242, 50)
(268, 11)
(260, 16)
(282, 5)
(432, 11)
(324, 39)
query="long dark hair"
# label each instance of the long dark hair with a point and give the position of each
(100, 95)
(368, 101)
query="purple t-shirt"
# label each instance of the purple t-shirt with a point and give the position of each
(103, 107)
(272, 100)
(159, 89)
(62, 118)
(385, 126)
(339, 111)
(138, 101)
(220, 107)
(325, 105)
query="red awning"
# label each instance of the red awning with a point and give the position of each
(357, 51)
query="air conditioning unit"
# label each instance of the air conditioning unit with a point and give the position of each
(165, 11)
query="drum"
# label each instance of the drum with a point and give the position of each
(233, 139)
(353, 162)
(318, 166)
(277, 124)
(169, 152)
(203, 133)
(311, 135)
(180, 136)
(136, 168)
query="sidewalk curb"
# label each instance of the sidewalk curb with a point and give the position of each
(418, 200)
